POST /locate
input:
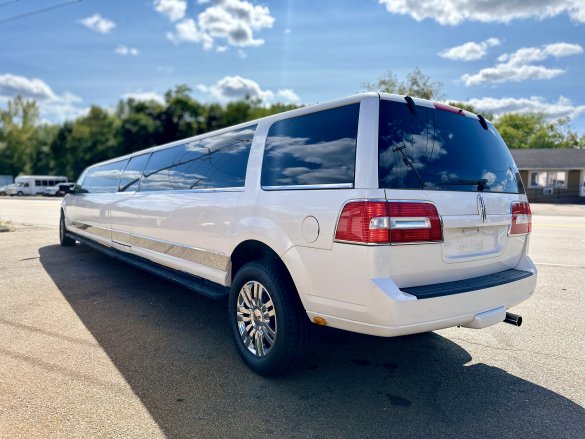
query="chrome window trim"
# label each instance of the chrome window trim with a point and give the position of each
(309, 186)
(189, 191)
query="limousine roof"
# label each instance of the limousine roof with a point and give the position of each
(284, 115)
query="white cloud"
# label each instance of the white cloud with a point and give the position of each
(242, 54)
(532, 54)
(127, 51)
(236, 87)
(187, 31)
(174, 10)
(235, 21)
(53, 107)
(517, 66)
(221, 49)
(453, 12)
(98, 24)
(144, 96)
(535, 104)
(470, 51)
(65, 107)
(505, 73)
(289, 95)
(29, 88)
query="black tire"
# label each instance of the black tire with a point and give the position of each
(293, 329)
(20, 193)
(64, 240)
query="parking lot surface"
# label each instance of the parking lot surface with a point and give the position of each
(90, 347)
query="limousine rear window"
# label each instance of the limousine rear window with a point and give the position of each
(214, 162)
(103, 179)
(316, 149)
(442, 150)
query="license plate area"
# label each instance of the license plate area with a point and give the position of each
(468, 243)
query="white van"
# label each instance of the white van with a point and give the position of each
(35, 184)
(378, 213)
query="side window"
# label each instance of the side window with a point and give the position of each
(131, 176)
(103, 179)
(38, 183)
(214, 162)
(314, 149)
(157, 173)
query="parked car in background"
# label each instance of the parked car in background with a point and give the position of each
(4, 190)
(35, 184)
(379, 214)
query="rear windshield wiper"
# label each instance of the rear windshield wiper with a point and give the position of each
(408, 163)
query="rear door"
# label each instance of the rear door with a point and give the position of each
(460, 164)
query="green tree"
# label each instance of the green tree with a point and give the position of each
(532, 130)
(140, 124)
(93, 138)
(18, 130)
(416, 84)
(183, 115)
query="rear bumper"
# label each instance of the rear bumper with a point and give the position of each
(386, 310)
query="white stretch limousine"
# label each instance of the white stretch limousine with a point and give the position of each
(378, 213)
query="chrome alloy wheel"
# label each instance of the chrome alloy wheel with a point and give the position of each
(256, 318)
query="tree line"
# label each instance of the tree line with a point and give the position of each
(30, 146)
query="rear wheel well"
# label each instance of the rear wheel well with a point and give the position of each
(249, 251)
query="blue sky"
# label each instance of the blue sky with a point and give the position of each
(498, 55)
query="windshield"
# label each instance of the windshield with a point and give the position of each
(439, 150)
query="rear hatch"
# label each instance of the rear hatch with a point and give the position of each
(459, 162)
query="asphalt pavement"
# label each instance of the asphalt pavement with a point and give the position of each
(90, 347)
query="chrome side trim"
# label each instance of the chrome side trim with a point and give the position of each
(121, 237)
(90, 228)
(309, 186)
(201, 256)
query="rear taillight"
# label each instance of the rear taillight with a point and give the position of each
(521, 218)
(395, 222)
(360, 222)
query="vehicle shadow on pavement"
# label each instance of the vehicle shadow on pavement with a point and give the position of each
(173, 347)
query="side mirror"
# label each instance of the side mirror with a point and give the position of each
(67, 188)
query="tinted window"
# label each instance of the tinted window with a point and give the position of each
(157, 173)
(214, 162)
(313, 149)
(131, 176)
(38, 183)
(103, 179)
(440, 150)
